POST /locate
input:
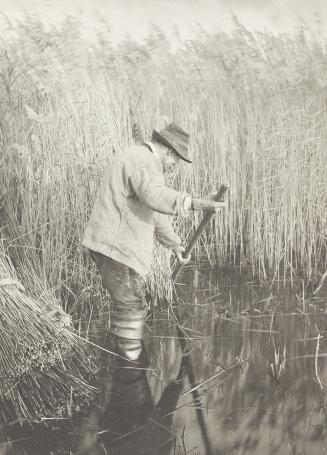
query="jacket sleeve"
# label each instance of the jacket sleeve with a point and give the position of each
(149, 186)
(164, 232)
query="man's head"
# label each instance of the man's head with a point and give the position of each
(168, 157)
(171, 144)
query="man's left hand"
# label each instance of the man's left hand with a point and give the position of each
(179, 250)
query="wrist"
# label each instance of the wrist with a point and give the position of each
(176, 247)
(193, 204)
(186, 207)
(198, 204)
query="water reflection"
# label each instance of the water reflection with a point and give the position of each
(134, 421)
(246, 374)
(273, 403)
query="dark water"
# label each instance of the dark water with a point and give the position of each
(251, 380)
(275, 401)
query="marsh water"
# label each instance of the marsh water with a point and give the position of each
(258, 354)
(246, 373)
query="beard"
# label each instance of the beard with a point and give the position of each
(169, 178)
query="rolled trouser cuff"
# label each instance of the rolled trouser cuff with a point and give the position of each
(128, 348)
(129, 325)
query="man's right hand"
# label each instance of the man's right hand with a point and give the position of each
(207, 204)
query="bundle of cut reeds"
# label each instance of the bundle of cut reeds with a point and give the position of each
(44, 366)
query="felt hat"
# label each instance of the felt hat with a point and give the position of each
(174, 137)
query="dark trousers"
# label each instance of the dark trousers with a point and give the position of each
(128, 306)
(128, 312)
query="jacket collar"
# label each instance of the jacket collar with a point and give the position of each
(152, 149)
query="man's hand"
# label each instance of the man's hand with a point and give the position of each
(207, 204)
(179, 250)
(218, 205)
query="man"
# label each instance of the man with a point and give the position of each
(130, 209)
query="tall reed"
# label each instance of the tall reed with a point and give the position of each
(255, 106)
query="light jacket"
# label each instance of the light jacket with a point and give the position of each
(131, 207)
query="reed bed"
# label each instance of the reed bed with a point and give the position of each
(254, 104)
(44, 368)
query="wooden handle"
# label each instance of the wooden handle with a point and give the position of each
(197, 234)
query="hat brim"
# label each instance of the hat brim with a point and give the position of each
(160, 138)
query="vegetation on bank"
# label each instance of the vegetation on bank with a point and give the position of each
(254, 104)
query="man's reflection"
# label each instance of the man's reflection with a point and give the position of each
(132, 422)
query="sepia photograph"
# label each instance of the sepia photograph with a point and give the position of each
(163, 227)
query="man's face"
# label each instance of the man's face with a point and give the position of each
(170, 161)
(170, 165)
